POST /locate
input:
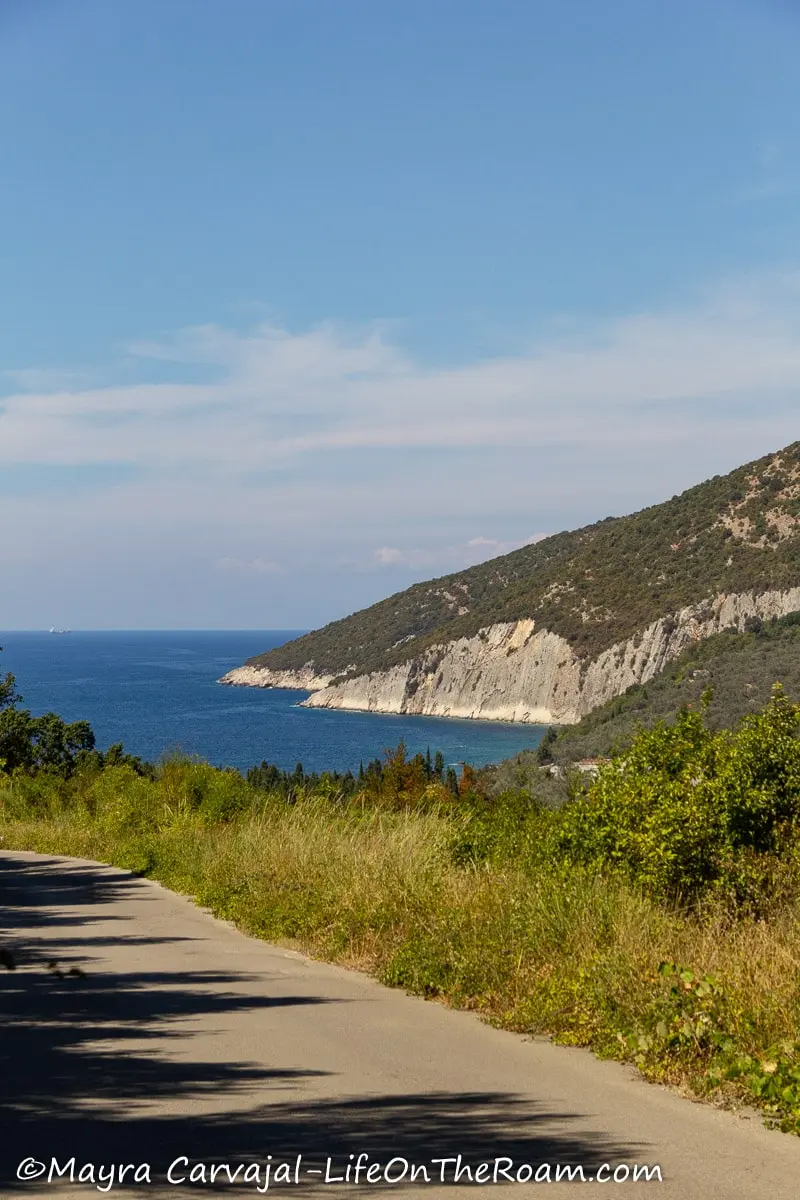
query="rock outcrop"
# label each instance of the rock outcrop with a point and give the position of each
(306, 679)
(515, 672)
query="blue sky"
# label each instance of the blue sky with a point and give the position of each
(305, 300)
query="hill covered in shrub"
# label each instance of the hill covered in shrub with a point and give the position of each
(734, 672)
(594, 586)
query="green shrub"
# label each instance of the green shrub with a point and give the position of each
(190, 786)
(500, 830)
(687, 810)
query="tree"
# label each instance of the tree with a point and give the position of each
(8, 691)
(544, 751)
(42, 743)
(16, 740)
(468, 781)
(687, 809)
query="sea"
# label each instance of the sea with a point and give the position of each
(157, 693)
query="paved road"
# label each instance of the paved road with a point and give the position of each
(184, 1039)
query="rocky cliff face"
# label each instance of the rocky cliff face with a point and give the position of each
(515, 672)
(306, 679)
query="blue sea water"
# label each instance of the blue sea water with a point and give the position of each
(157, 692)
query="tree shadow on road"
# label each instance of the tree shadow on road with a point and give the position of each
(90, 1063)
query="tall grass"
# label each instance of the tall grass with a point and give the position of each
(545, 948)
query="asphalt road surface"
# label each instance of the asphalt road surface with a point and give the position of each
(184, 1042)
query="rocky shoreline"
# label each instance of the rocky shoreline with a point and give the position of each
(513, 672)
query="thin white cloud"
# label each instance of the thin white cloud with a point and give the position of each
(448, 557)
(257, 566)
(500, 546)
(302, 450)
(287, 397)
(388, 556)
(39, 379)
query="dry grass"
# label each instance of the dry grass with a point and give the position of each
(555, 951)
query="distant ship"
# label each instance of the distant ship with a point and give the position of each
(54, 630)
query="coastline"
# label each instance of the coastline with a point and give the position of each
(514, 672)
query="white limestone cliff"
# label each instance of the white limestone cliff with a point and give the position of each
(306, 679)
(514, 672)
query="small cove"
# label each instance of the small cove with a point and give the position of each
(157, 692)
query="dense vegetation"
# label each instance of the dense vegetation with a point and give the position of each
(47, 743)
(595, 586)
(394, 774)
(654, 916)
(735, 671)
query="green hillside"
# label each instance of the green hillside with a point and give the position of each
(739, 669)
(594, 586)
